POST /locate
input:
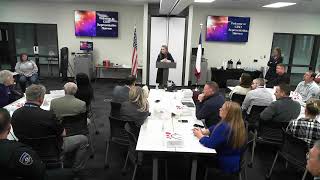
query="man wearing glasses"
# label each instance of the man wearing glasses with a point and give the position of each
(313, 160)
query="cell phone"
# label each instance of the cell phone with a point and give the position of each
(183, 121)
(198, 125)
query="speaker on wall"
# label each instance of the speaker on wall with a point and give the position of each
(64, 59)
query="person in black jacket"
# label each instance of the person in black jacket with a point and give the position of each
(209, 103)
(17, 161)
(281, 77)
(164, 56)
(85, 90)
(275, 59)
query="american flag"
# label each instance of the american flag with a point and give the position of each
(197, 71)
(134, 59)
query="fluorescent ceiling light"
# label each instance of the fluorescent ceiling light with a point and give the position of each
(279, 5)
(204, 1)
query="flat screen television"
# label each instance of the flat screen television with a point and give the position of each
(227, 28)
(96, 23)
(86, 46)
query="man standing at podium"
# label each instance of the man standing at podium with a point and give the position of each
(164, 56)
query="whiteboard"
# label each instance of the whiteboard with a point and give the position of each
(175, 39)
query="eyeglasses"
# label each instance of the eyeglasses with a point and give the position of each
(307, 156)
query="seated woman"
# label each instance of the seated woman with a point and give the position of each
(27, 70)
(307, 128)
(244, 87)
(85, 90)
(6, 93)
(136, 109)
(228, 137)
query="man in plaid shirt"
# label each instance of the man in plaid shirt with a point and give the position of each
(308, 128)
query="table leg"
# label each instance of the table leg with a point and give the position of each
(194, 169)
(155, 168)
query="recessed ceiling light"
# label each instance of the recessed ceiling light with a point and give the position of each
(204, 1)
(279, 5)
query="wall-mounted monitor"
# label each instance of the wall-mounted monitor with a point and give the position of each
(227, 28)
(86, 46)
(96, 23)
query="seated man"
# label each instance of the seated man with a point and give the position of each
(68, 105)
(17, 161)
(258, 96)
(307, 128)
(209, 103)
(284, 109)
(281, 77)
(121, 93)
(308, 88)
(313, 160)
(30, 121)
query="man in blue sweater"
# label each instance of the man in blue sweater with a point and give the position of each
(209, 103)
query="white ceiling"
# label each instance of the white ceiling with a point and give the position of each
(310, 6)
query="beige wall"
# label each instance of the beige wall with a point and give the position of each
(118, 50)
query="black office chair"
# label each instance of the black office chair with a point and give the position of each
(238, 98)
(48, 148)
(267, 133)
(77, 125)
(294, 152)
(243, 166)
(118, 134)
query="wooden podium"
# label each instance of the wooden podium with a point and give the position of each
(165, 69)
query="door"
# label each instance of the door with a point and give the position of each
(7, 50)
(167, 31)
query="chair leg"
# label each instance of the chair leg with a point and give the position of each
(250, 164)
(91, 146)
(106, 164)
(134, 171)
(95, 126)
(245, 173)
(166, 169)
(124, 169)
(304, 174)
(271, 169)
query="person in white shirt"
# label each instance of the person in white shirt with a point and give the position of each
(259, 96)
(244, 87)
(27, 70)
(308, 88)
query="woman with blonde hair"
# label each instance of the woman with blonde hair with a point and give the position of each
(228, 137)
(136, 109)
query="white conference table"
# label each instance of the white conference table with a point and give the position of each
(153, 133)
(20, 102)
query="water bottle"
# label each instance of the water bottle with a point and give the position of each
(157, 86)
(238, 66)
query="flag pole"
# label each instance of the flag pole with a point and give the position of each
(197, 78)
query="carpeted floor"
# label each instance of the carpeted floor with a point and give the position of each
(178, 165)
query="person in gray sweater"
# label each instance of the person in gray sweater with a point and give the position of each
(27, 70)
(284, 108)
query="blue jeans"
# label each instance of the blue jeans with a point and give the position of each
(23, 80)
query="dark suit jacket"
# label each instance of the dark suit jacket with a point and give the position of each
(208, 109)
(6, 95)
(120, 94)
(272, 63)
(284, 79)
(160, 71)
